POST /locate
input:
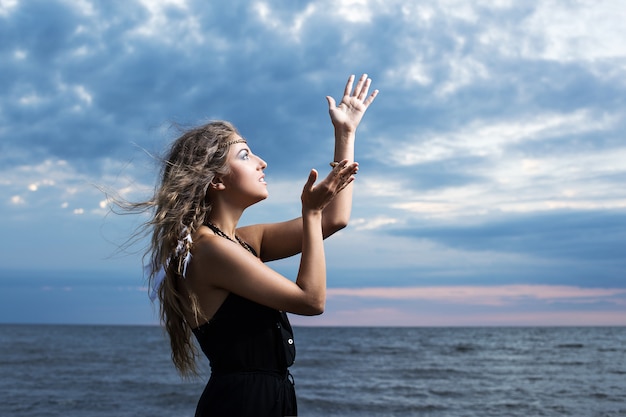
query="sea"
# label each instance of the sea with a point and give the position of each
(117, 371)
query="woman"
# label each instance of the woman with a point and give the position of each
(210, 276)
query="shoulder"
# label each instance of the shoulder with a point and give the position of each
(205, 242)
(214, 257)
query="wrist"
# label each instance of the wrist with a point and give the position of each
(312, 214)
(345, 133)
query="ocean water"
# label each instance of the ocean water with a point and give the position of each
(72, 371)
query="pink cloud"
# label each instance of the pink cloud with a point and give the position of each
(482, 295)
(504, 305)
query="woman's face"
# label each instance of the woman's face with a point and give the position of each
(246, 180)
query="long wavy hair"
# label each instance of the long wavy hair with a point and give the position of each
(179, 206)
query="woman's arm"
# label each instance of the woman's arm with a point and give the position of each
(345, 118)
(281, 240)
(219, 263)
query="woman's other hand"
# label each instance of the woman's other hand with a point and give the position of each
(316, 197)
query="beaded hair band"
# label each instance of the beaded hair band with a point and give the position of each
(232, 142)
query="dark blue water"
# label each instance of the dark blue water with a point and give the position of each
(73, 371)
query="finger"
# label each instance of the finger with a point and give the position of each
(359, 85)
(331, 102)
(363, 93)
(346, 91)
(345, 166)
(371, 98)
(344, 184)
(339, 166)
(311, 180)
(344, 177)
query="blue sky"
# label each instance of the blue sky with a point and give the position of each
(493, 162)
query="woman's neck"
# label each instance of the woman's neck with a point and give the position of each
(224, 221)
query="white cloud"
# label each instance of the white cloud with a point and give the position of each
(492, 138)
(508, 180)
(584, 31)
(83, 94)
(57, 183)
(463, 71)
(20, 54)
(82, 6)
(460, 10)
(291, 27)
(353, 11)
(7, 6)
(181, 30)
(430, 209)
(372, 223)
(411, 72)
(17, 200)
(31, 99)
(376, 250)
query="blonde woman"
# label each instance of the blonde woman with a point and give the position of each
(209, 274)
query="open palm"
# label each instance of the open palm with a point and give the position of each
(348, 114)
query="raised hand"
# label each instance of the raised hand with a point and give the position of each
(348, 114)
(316, 197)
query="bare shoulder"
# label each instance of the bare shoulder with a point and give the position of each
(208, 246)
(214, 259)
(204, 241)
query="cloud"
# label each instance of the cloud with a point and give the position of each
(577, 236)
(493, 154)
(7, 6)
(483, 139)
(488, 295)
(17, 200)
(500, 305)
(58, 184)
(588, 31)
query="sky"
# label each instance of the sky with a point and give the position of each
(491, 189)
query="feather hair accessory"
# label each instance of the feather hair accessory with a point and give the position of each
(183, 247)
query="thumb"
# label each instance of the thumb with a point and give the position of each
(331, 102)
(311, 180)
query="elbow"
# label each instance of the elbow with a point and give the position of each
(319, 309)
(314, 308)
(336, 226)
(315, 311)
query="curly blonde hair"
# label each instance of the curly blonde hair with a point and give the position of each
(179, 206)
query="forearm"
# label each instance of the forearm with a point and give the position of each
(337, 213)
(312, 273)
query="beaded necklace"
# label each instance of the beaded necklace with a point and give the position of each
(218, 232)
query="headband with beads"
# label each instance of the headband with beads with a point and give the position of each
(232, 142)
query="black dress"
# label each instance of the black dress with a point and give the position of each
(250, 348)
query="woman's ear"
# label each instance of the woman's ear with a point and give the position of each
(217, 184)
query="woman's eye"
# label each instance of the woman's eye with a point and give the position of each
(245, 156)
